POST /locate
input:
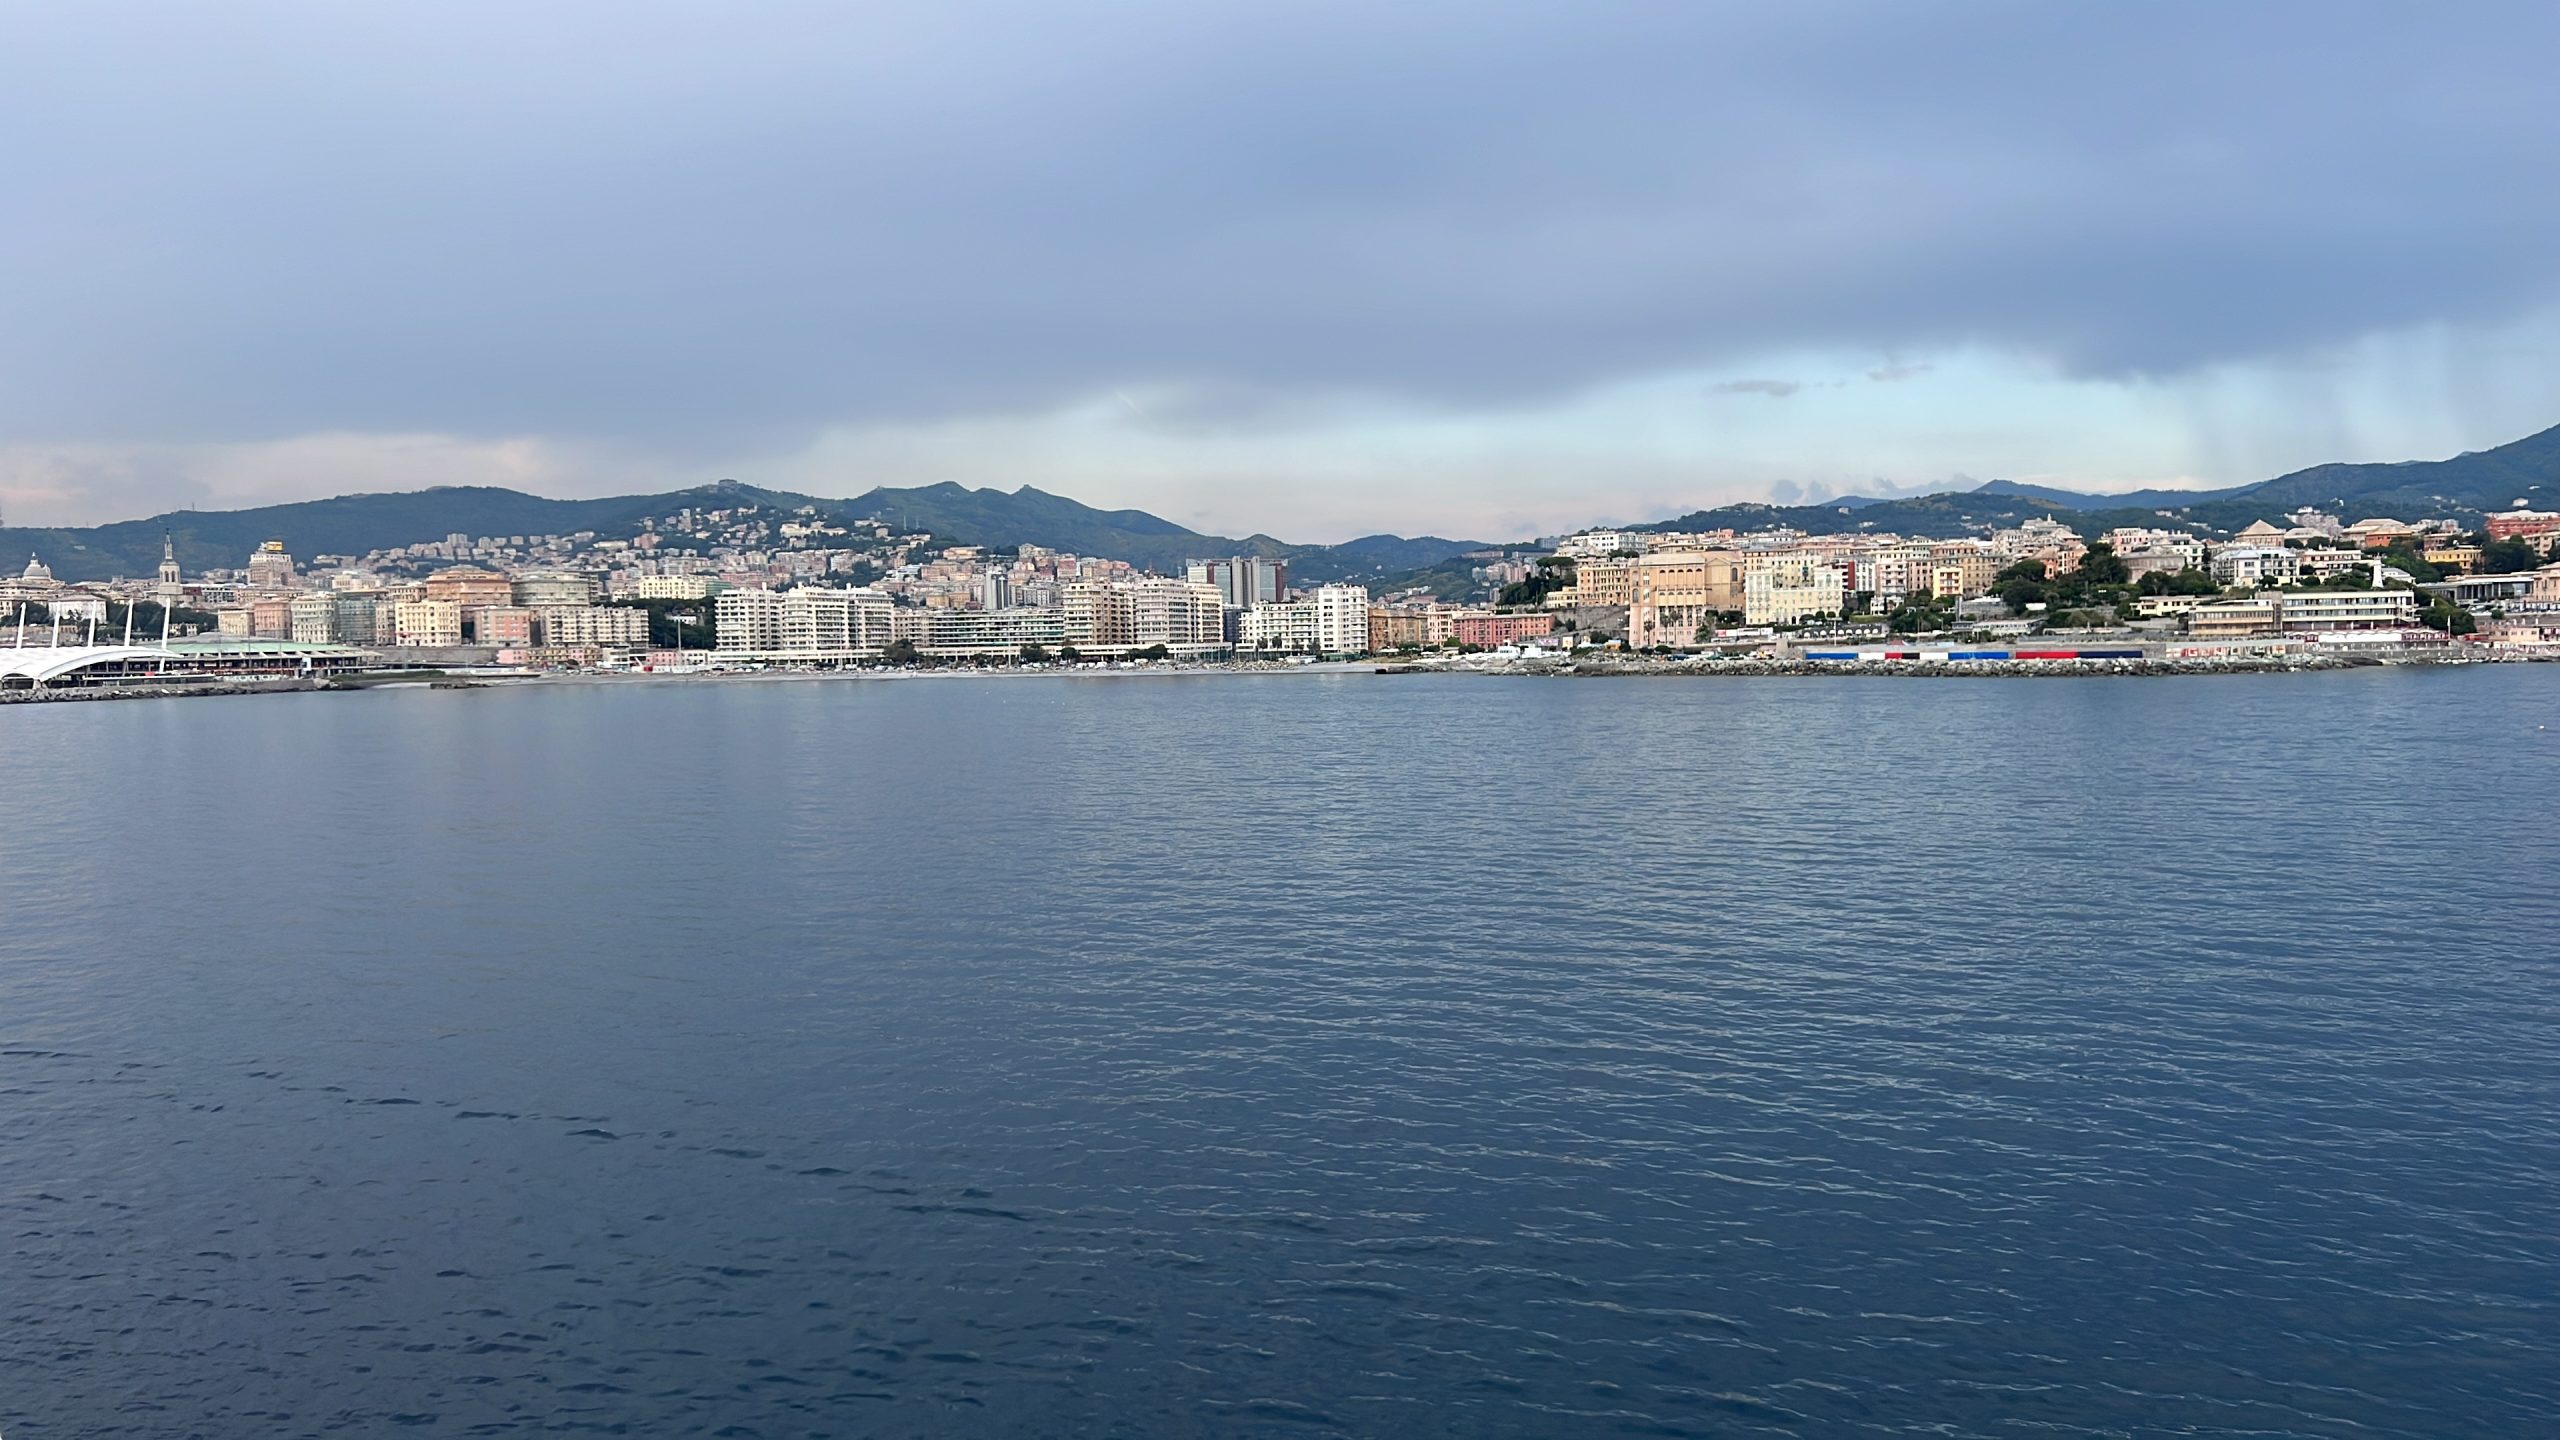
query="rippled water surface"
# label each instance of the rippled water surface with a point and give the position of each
(1287, 1056)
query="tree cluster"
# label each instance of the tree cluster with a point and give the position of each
(1554, 573)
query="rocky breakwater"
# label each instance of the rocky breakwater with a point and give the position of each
(1765, 666)
(161, 692)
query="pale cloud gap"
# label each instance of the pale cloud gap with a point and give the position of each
(1330, 255)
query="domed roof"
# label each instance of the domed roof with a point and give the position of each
(35, 570)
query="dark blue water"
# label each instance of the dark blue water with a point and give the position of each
(1287, 1056)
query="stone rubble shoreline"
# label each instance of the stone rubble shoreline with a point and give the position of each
(1768, 667)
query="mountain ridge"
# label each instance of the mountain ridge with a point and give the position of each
(355, 524)
(2463, 487)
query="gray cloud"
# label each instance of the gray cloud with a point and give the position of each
(709, 229)
(1896, 372)
(1774, 389)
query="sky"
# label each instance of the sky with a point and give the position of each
(1481, 269)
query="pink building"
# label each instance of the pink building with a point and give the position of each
(502, 625)
(1490, 631)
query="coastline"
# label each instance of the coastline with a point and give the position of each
(1612, 667)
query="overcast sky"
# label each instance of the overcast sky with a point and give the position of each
(1316, 269)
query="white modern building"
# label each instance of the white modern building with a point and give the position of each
(998, 634)
(806, 623)
(1334, 620)
(2253, 565)
(2318, 610)
(552, 589)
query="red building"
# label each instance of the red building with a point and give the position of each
(1490, 631)
(2531, 525)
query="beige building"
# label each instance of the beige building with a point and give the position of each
(1675, 593)
(2234, 619)
(1900, 567)
(1395, 626)
(1791, 589)
(604, 627)
(1961, 570)
(1184, 616)
(1600, 580)
(675, 587)
(270, 568)
(313, 619)
(470, 587)
(426, 622)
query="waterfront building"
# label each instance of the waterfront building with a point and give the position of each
(1672, 594)
(516, 626)
(992, 634)
(1790, 589)
(354, 617)
(748, 621)
(271, 619)
(1289, 626)
(2320, 610)
(1490, 630)
(426, 622)
(2159, 607)
(815, 620)
(2234, 619)
(1392, 627)
(1342, 619)
(812, 622)
(602, 627)
(313, 619)
(1116, 615)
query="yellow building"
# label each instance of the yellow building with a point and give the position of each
(1673, 593)
(1961, 571)
(1601, 580)
(427, 622)
(1791, 589)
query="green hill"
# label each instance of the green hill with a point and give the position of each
(355, 524)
